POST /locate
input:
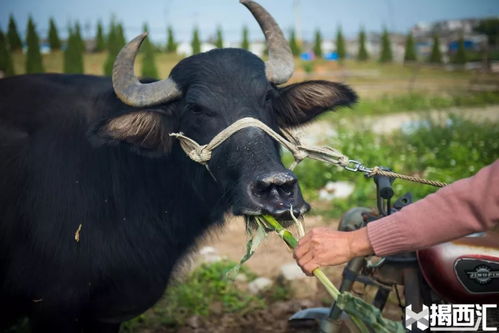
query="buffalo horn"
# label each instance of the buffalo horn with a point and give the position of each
(280, 65)
(129, 89)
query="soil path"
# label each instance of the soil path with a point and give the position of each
(230, 243)
(387, 123)
(391, 122)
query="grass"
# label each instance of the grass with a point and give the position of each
(368, 78)
(386, 104)
(204, 292)
(437, 149)
(93, 63)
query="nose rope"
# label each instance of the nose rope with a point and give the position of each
(202, 153)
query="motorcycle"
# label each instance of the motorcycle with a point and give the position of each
(462, 271)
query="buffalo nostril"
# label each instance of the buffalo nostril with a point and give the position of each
(276, 194)
(275, 184)
(288, 187)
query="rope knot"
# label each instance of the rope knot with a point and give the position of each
(374, 171)
(343, 160)
(200, 155)
(300, 154)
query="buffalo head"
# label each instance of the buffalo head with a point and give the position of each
(207, 92)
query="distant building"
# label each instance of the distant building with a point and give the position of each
(258, 47)
(449, 32)
(446, 29)
(185, 48)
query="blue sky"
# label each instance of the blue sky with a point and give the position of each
(397, 15)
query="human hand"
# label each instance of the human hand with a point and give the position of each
(326, 247)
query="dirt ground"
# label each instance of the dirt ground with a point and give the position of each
(230, 243)
(274, 319)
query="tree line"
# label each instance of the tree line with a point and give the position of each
(385, 54)
(74, 47)
(114, 39)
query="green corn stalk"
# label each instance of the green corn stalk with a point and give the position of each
(362, 313)
(292, 242)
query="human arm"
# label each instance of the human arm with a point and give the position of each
(327, 247)
(461, 208)
(466, 206)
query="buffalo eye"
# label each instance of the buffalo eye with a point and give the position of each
(269, 96)
(194, 108)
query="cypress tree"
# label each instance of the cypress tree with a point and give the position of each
(6, 65)
(147, 41)
(54, 41)
(490, 28)
(362, 54)
(73, 54)
(460, 56)
(171, 44)
(79, 40)
(149, 68)
(112, 48)
(386, 47)
(435, 55)
(100, 43)
(340, 45)
(13, 38)
(195, 43)
(148, 65)
(219, 42)
(293, 44)
(66, 67)
(245, 41)
(318, 44)
(33, 57)
(120, 36)
(111, 34)
(410, 49)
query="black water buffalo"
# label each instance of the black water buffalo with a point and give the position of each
(82, 153)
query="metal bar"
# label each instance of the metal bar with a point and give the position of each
(331, 324)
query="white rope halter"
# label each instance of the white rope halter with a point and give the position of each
(202, 153)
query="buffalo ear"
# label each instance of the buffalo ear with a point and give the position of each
(146, 131)
(300, 102)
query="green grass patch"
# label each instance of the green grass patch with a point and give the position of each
(418, 102)
(438, 149)
(279, 292)
(204, 292)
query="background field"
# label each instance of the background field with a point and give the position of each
(370, 79)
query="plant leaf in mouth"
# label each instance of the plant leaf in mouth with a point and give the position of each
(256, 238)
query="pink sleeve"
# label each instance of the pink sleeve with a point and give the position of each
(463, 207)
